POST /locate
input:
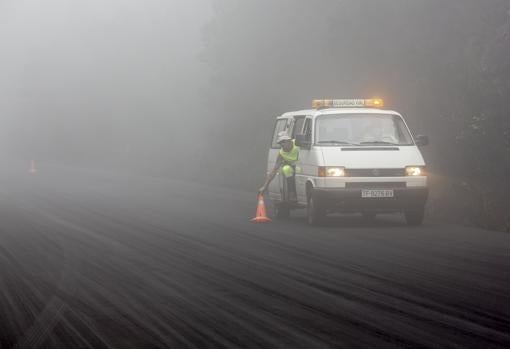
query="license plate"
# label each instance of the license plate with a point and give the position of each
(377, 193)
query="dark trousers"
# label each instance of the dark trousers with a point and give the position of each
(291, 184)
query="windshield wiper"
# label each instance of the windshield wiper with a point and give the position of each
(337, 142)
(379, 142)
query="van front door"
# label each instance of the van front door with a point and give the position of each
(306, 159)
(274, 186)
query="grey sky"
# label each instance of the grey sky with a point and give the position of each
(108, 67)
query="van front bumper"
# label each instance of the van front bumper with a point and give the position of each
(350, 200)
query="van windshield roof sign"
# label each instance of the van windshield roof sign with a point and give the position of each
(347, 103)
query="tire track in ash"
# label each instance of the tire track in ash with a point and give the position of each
(55, 309)
(166, 275)
(182, 259)
(96, 239)
(22, 298)
(216, 248)
(416, 305)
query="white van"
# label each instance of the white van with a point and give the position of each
(354, 157)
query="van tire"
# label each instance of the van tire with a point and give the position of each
(315, 212)
(415, 218)
(282, 211)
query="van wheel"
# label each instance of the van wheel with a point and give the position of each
(415, 218)
(314, 211)
(282, 211)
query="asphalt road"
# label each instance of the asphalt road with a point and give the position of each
(104, 260)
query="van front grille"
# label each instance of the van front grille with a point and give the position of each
(371, 149)
(375, 172)
(375, 185)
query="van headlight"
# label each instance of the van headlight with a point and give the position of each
(331, 171)
(415, 171)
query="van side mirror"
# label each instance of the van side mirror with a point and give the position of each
(421, 140)
(303, 142)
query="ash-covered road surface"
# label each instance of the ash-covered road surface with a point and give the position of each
(107, 260)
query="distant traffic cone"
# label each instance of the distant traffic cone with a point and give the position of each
(32, 167)
(261, 216)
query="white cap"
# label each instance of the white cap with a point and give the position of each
(283, 136)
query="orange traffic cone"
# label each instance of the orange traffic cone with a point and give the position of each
(261, 216)
(32, 167)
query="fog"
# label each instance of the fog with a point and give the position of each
(191, 88)
(100, 83)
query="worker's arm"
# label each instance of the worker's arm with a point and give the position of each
(270, 176)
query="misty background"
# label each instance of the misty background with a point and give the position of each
(190, 89)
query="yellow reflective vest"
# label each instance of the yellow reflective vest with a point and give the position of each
(292, 156)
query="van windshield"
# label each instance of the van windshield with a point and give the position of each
(361, 129)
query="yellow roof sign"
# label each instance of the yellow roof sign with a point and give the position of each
(347, 103)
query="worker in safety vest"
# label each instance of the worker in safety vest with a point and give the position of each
(286, 161)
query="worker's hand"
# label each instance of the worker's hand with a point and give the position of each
(262, 190)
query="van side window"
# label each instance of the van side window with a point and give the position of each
(307, 130)
(298, 126)
(281, 125)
